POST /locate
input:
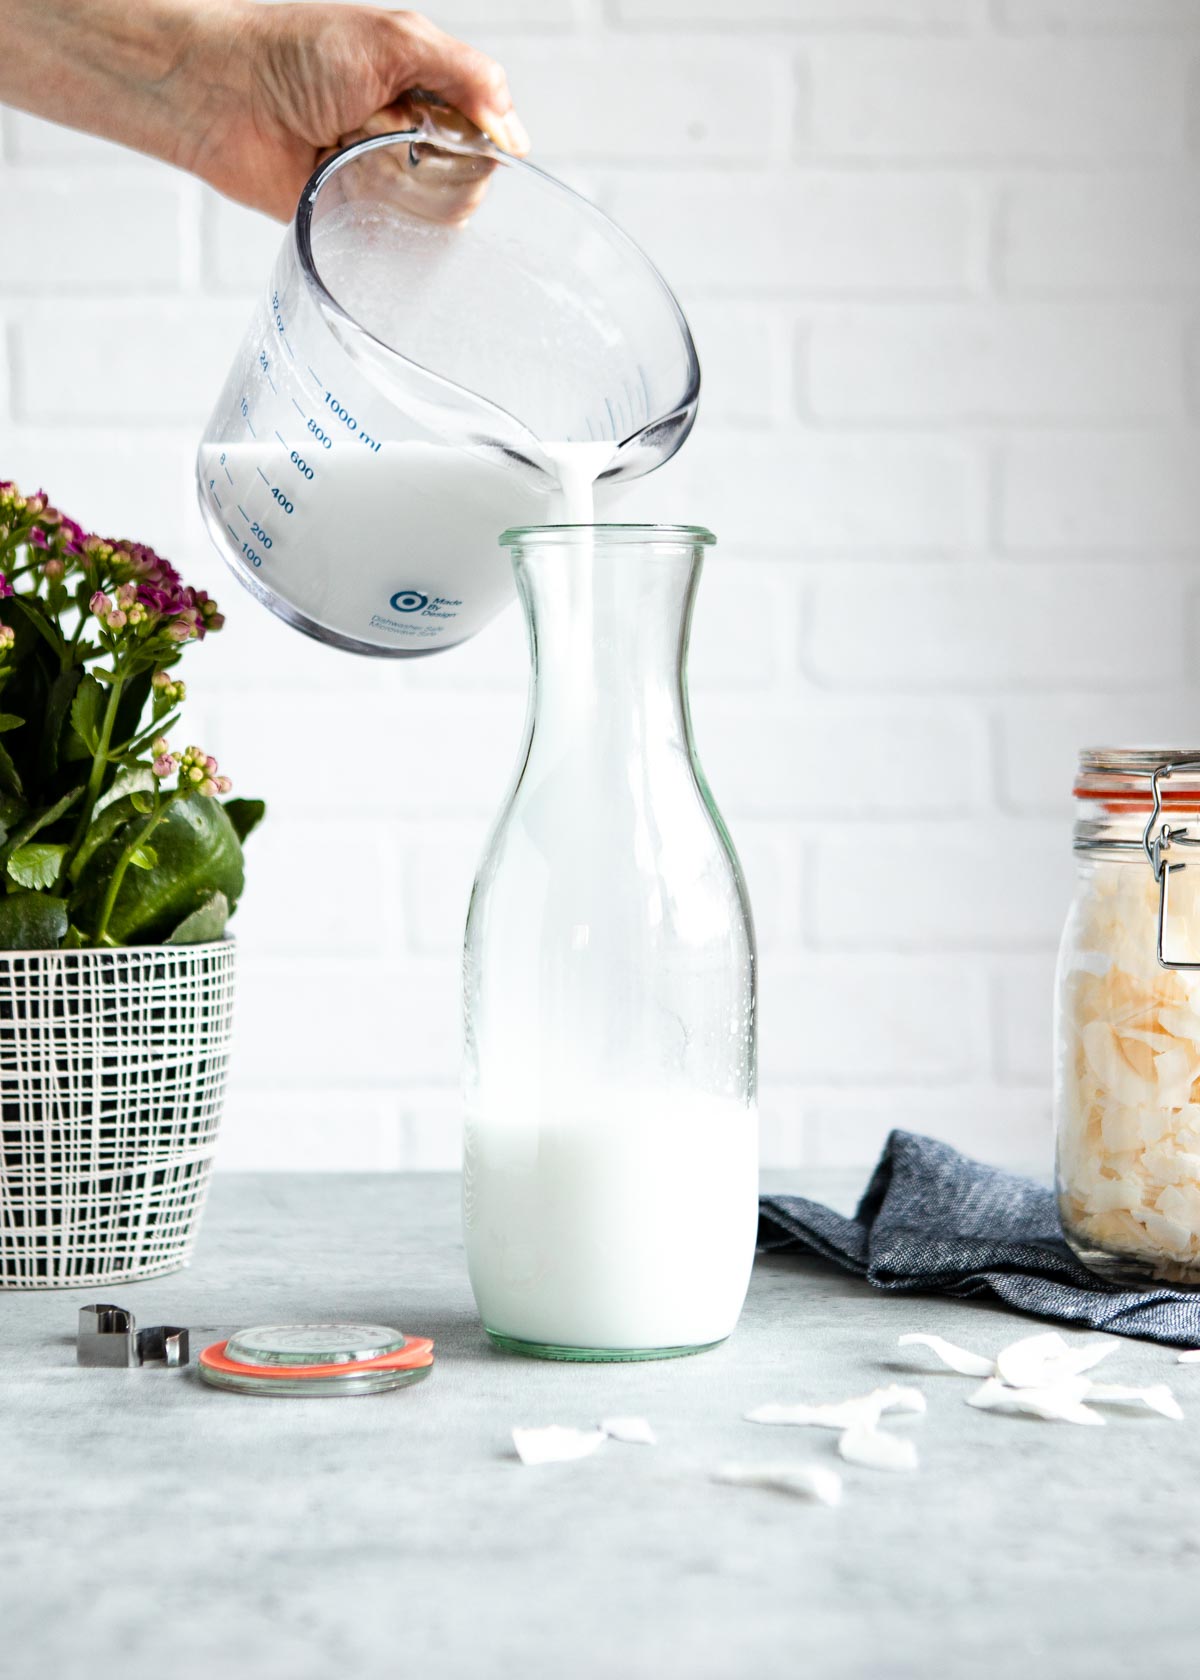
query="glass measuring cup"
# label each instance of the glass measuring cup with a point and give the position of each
(448, 337)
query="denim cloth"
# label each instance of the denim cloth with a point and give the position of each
(934, 1220)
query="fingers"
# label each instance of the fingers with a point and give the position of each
(467, 79)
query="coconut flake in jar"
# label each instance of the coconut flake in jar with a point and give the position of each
(1128, 1033)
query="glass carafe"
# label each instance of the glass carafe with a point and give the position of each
(610, 1173)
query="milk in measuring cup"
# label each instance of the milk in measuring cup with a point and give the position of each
(367, 540)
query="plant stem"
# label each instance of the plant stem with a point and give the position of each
(96, 777)
(122, 865)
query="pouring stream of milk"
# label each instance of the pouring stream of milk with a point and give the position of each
(579, 465)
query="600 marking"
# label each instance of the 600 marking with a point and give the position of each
(301, 465)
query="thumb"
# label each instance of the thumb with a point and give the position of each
(467, 79)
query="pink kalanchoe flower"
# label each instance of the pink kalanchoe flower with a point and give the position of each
(74, 537)
(53, 569)
(127, 594)
(165, 765)
(6, 588)
(208, 787)
(224, 785)
(100, 604)
(178, 631)
(116, 619)
(7, 637)
(37, 537)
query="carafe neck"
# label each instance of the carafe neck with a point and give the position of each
(609, 611)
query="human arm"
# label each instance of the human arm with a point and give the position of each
(246, 95)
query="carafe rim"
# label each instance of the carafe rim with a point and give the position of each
(693, 536)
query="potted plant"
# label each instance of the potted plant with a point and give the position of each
(120, 864)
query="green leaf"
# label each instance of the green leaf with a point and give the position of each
(87, 710)
(142, 801)
(40, 820)
(37, 865)
(73, 939)
(32, 921)
(9, 720)
(104, 825)
(245, 814)
(58, 705)
(35, 614)
(8, 774)
(137, 778)
(207, 922)
(197, 854)
(143, 857)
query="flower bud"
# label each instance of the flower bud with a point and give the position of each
(100, 603)
(164, 765)
(53, 569)
(115, 619)
(207, 787)
(159, 746)
(224, 785)
(7, 636)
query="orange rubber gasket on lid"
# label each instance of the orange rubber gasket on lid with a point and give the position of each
(416, 1352)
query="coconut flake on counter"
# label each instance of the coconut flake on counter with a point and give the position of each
(966, 1363)
(556, 1444)
(634, 1431)
(1042, 1361)
(1044, 1376)
(1063, 1403)
(877, 1449)
(864, 1411)
(1157, 1396)
(801, 1480)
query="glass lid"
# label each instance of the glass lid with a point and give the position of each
(313, 1344)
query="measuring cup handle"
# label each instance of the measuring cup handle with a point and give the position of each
(425, 116)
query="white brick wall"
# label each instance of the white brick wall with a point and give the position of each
(942, 258)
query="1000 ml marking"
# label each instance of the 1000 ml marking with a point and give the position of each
(350, 423)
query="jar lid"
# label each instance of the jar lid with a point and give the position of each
(324, 1360)
(313, 1344)
(1123, 777)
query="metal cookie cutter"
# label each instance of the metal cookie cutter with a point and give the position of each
(108, 1335)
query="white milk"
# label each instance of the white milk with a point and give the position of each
(579, 465)
(626, 1223)
(396, 547)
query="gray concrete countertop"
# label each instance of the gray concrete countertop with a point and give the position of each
(151, 1526)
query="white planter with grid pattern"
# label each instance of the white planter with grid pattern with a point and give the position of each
(112, 1080)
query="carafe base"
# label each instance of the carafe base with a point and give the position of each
(594, 1356)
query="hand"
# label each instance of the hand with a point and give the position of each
(295, 80)
(245, 95)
